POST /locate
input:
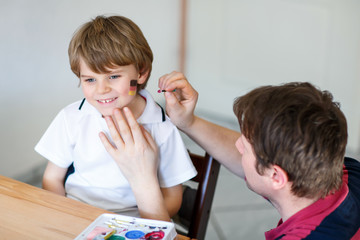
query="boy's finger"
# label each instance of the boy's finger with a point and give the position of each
(134, 125)
(108, 146)
(115, 135)
(124, 129)
(149, 139)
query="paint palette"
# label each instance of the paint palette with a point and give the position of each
(120, 227)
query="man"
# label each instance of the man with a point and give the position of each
(291, 151)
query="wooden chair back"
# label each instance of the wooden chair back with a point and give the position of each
(208, 171)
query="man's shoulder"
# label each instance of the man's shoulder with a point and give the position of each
(344, 221)
(352, 164)
(352, 170)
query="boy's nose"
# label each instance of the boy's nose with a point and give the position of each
(103, 87)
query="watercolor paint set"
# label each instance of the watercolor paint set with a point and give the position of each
(120, 227)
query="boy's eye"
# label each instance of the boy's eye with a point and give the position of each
(114, 76)
(90, 80)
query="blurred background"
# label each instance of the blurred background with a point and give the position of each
(225, 48)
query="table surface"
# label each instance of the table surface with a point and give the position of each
(28, 212)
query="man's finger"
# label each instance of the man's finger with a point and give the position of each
(171, 100)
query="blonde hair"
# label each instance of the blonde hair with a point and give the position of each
(107, 42)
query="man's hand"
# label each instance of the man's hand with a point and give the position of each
(180, 104)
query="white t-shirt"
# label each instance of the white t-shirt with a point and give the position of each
(73, 137)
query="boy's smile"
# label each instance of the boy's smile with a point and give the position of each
(107, 100)
(106, 91)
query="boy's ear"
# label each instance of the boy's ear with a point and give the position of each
(143, 76)
(279, 177)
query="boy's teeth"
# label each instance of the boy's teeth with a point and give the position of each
(106, 100)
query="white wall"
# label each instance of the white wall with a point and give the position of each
(236, 45)
(36, 80)
(233, 46)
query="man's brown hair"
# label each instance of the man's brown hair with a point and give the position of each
(299, 128)
(107, 42)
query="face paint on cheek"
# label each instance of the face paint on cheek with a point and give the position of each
(133, 87)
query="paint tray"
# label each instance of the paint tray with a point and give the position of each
(119, 227)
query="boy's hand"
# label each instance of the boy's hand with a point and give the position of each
(135, 151)
(180, 104)
(136, 154)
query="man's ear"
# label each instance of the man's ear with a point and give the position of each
(279, 177)
(143, 75)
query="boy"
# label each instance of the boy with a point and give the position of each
(113, 61)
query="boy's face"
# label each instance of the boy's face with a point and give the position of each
(253, 179)
(107, 91)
